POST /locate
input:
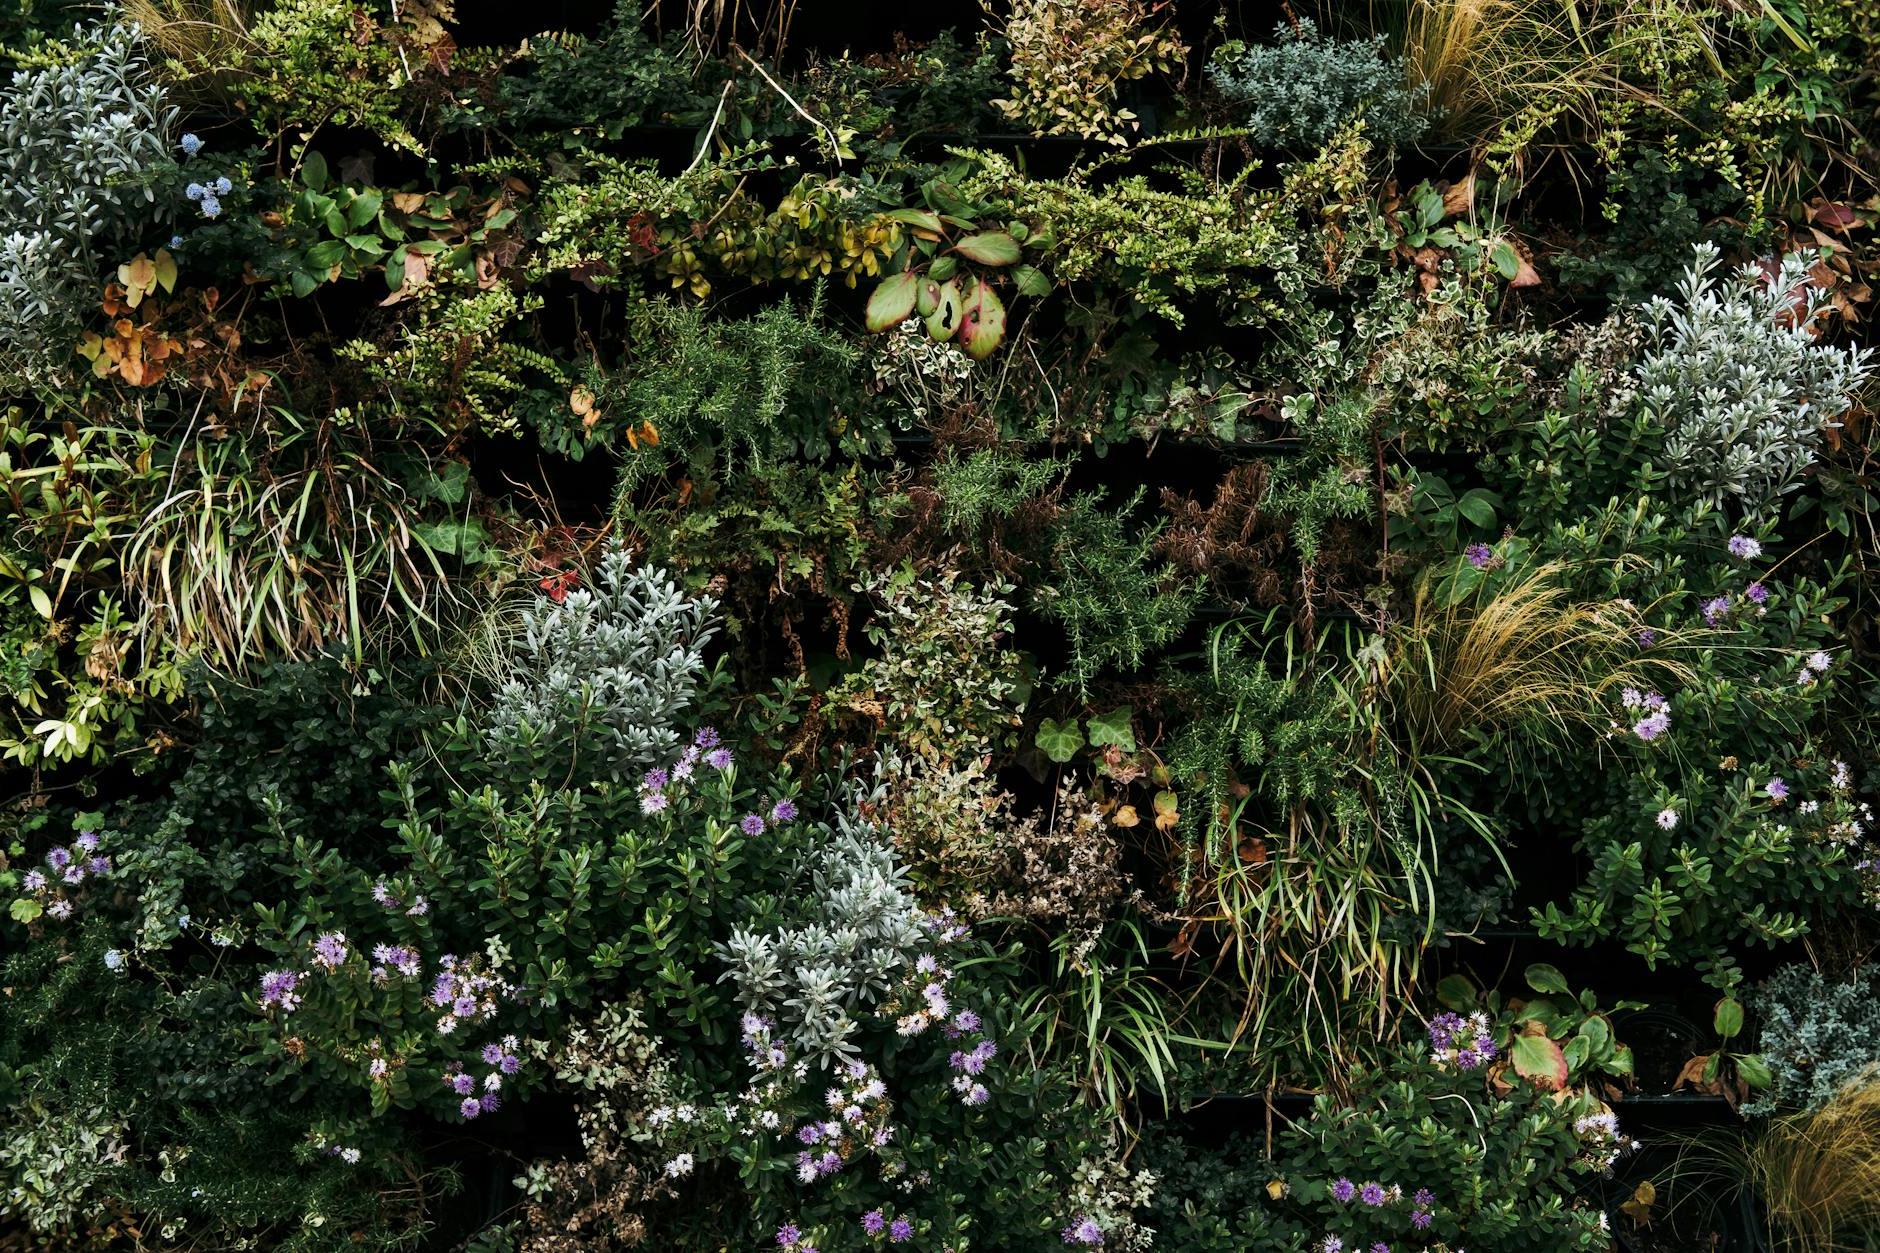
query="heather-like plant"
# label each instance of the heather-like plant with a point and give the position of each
(1818, 1036)
(1298, 92)
(608, 671)
(81, 142)
(1734, 375)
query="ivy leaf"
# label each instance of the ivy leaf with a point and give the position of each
(892, 301)
(1541, 1062)
(989, 248)
(1059, 741)
(1113, 728)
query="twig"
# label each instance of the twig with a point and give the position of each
(706, 142)
(835, 142)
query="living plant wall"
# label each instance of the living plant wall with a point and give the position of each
(753, 624)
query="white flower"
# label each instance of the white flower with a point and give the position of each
(1668, 819)
(113, 959)
(349, 1156)
(679, 1166)
(1819, 661)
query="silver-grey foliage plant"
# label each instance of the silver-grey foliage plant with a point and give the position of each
(1300, 92)
(80, 145)
(1742, 388)
(857, 930)
(1818, 1036)
(611, 670)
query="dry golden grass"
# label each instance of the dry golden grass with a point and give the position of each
(1530, 657)
(1819, 1174)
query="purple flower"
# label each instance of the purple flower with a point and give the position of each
(1424, 1198)
(707, 737)
(1420, 1219)
(509, 1065)
(719, 759)
(654, 781)
(443, 990)
(1380, 1247)
(464, 1006)
(463, 1085)
(751, 825)
(1344, 1190)
(1479, 555)
(966, 1020)
(277, 988)
(653, 802)
(87, 840)
(471, 1107)
(1647, 637)
(1084, 1231)
(492, 1054)
(788, 1235)
(491, 1102)
(900, 1230)
(34, 880)
(1757, 593)
(1777, 789)
(1744, 547)
(783, 811)
(190, 145)
(58, 858)
(829, 1163)
(1467, 1059)
(1371, 1194)
(1652, 726)
(330, 949)
(1714, 609)
(977, 1095)
(810, 1133)
(873, 1222)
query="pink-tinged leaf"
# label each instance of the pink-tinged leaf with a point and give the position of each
(1541, 1062)
(982, 322)
(893, 301)
(944, 322)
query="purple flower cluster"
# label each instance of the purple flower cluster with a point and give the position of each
(655, 796)
(330, 950)
(484, 1098)
(1744, 548)
(1654, 711)
(66, 868)
(898, 1230)
(466, 992)
(394, 958)
(1461, 1042)
(1482, 557)
(387, 899)
(792, 1240)
(1083, 1230)
(857, 1121)
(280, 989)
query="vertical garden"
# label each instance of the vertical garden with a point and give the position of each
(758, 624)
